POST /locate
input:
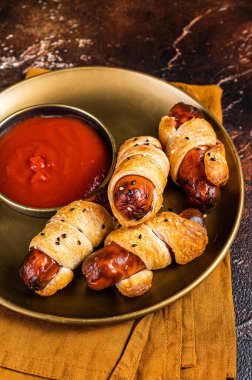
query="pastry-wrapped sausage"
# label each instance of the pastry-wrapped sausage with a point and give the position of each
(131, 254)
(197, 157)
(69, 236)
(136, 187)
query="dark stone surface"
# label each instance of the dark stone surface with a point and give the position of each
(192, 41)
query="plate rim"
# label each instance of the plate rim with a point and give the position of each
(193, 284)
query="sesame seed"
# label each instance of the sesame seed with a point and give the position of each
(128, 158)
(198, 149)
(217, 143)
(62, 220)
(64, 236)
(57, 243)
(135, 139)
(213, 159)
(209, 154)
(147, 140)
(78, 242)
(147, 144)
(103, 226)
(84, 210)
(187, 138)
(133, 182)
(42, 234)
(140, 236)
(71, 209)
(58, 239)
(80, 230)
(135, 145)
(134, 245)
(165, 220)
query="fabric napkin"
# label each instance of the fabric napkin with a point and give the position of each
(193, 338)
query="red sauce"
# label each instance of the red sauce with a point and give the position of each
(51, 161)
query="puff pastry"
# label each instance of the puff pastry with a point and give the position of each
(69, 236)
(136, 187)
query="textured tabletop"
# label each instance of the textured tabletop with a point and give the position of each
(197, 42)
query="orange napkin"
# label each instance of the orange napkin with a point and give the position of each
(194, 338)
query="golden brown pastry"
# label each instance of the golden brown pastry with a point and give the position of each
(136, 187)
(130, 254)
(197, 157)
(69, 236)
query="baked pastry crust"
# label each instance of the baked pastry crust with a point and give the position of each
(89, 218)
(186, 238)
(193, 133)
(149, 161)
(137, 284)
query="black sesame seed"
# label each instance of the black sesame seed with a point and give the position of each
(147, 144)
(62, 220)
(213, 159)
(217, 143)
(135, 145)
(80, 230)
(198, 149)
(165, 220)
(57, 243)
(135, 139)
(78, 242)
(209, 154)
(42, 234)
(103, 226)
(84, 210)
(71, 209)
(134, 245)
(133, 182)
(187, 138)
(128, 158)
(146, 196)
(147, 140)
(64, 236)
(58, 239)
(140, 236)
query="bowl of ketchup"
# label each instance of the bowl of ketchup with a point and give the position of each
(51, 155)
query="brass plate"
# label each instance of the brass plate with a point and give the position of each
(128, 104)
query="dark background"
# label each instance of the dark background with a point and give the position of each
(197, 42)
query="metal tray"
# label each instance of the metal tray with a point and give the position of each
(128, 104)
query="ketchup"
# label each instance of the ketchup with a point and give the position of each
(51, 161)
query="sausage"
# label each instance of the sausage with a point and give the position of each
(113, 263)
(193, 214)
(100, 197)
(199, 191)
(133, 196)
(184, 112)
(38, 269)
(110, 265)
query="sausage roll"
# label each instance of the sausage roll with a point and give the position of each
(197, 157)
(130, 255)
(136, 187)
(69, 236)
